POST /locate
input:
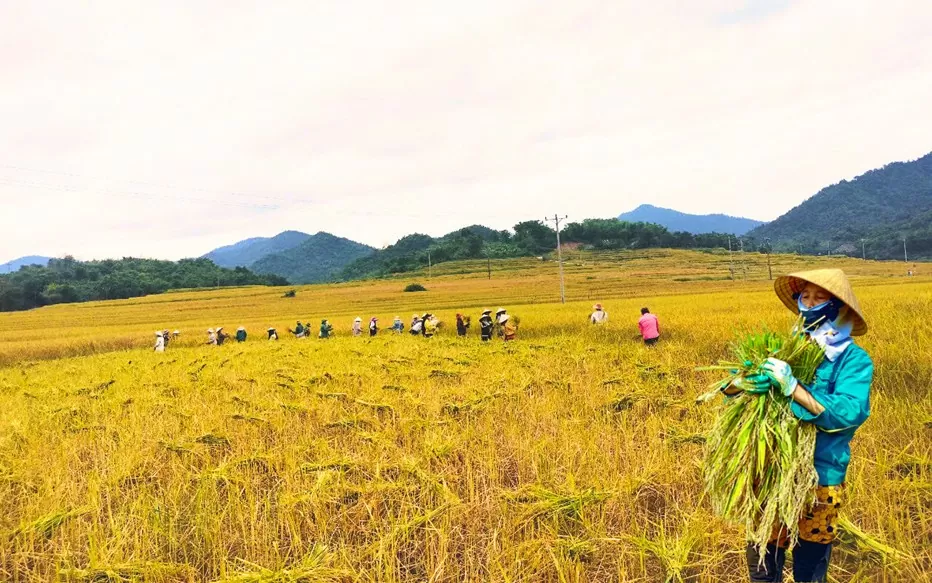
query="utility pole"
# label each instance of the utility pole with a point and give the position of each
(905, 256)
(744, 265)
(863, 252)
(769, 251)
(731, 261)
(556, 221)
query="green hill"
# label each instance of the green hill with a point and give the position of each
(68, 280)
(882, 207)
(320, 258)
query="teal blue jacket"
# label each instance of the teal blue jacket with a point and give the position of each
(843, 388)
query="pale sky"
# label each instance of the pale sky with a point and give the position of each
(165, 129)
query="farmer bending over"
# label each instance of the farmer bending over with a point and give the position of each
(598, 315)
(837, 403)
(649, 326)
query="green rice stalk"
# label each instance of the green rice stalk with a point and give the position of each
(758, 468)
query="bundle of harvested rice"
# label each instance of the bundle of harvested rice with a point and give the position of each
(758, 466)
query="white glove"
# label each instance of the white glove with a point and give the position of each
(781, 374)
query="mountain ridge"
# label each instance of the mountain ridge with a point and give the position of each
(870, 214)
(14, 264)
(246, 252)
(675, 220)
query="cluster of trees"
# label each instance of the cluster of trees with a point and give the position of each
(69, 280)
(530, 238)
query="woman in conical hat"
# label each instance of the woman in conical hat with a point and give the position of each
(837, 403)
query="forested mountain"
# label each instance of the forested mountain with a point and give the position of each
(696, 224)
(320, 258)
(247, 252)
(69, 280)
(14, 265)
(882, 206)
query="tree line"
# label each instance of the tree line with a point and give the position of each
(529, 238)
(70, 280)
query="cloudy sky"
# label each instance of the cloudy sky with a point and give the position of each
(164, 129)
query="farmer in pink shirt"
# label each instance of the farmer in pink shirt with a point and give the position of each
(649, 326)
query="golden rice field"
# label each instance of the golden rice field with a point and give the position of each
(570, 455)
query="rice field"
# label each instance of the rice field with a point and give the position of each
(572, 454)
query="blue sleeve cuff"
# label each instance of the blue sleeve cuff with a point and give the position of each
(803, 414)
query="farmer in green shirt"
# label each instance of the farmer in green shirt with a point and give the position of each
(837, 403)
(325, 329)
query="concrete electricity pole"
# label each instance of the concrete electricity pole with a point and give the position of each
(769, 251)
(556, 221)
(863, 252)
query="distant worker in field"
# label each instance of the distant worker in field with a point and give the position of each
(241, 334)
(166, 336)
(176, 334)
(325, 329)
(221, 336)
(298, 331)
(649, 326)
(273, 335)
(357, 326)
(417, 325)
(509, 327)
(398, 326)
(211, 337)
(462, 325)
(599, 315)
(159, 342)
(373, 326)
(430, 325)
(837, 403)
(499, 314)
(486, 325)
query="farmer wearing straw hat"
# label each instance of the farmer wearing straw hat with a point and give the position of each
(598, 316)
(417, 325)
(325, 329)
(397, 325)
(357, 326)
(837, 403)
(241, 334)
(273, 335)
(430, 325)
(373, 326)
(159, 342)
(211, 336)
(486, 325)
(509, 327)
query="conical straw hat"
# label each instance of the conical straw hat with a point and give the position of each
(833, 281)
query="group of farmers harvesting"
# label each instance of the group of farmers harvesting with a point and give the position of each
(501, 325)
(426, 325)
